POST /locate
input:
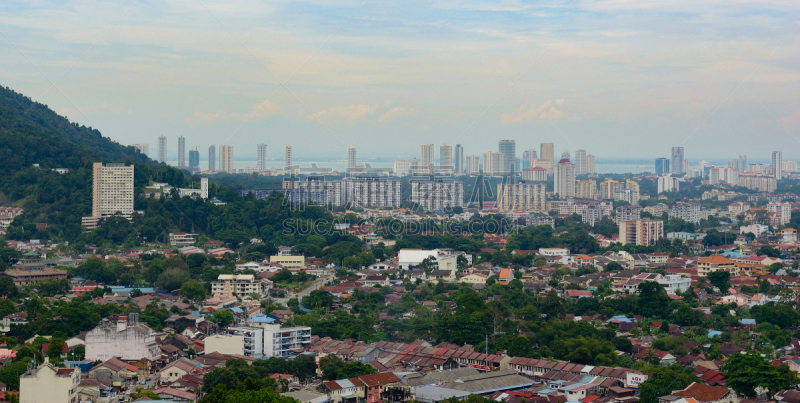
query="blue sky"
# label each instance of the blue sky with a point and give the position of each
(619, 78)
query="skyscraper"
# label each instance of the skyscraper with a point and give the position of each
(677, 160)
(212, 158)
(509, 150)
(194, 160)
(564, 179)
(351, 158)
(181, 152)
(112, 192)
(590, 164)
(529, 155)
(580, 162)
(162, 149)
(546, 152)
(473, 166)
(777, 164)
(226, 158)
(401, 167)
(446, 158)
(262, 157)
(287, 169)
(426, 156)
(142, 148)
(662, 166)
(565, 155)
(458, 162)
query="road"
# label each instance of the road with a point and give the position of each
(315, 285)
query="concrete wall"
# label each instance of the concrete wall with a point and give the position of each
(224, 344)
(129, 343)
(45, 386)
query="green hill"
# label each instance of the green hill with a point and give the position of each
(32, 133)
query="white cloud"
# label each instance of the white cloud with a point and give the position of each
(259, 111)
(343, 113)
(394, 113)
(544, 112)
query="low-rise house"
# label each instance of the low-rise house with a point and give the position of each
(707, 394)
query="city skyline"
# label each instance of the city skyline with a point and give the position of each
(693, 76)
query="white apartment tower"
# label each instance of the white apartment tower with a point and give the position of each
(287, 169)
(112, 192)
(677, 160)
(162, 148)
(590, 164)
(446, 158)
(458, 162)
(181, 152)
(352, 161)
(437, 194)
(546, 152)
(401, 167)
(580, 162)
(564, 179)
(226, 159)
(641, 232)
(426, 157)
(212, 158)
(522, 196)
(473, 165)
(262, 157)
(777, 164)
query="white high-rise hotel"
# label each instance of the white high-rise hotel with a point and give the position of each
(777, 164)
(162, 149)
(564, 179)
(226, 158)
(112, 192)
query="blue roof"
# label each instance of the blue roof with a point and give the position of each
(261, 318)
(236, 309)
(714, 333)
(304, 309)
(119, 288)
(621, 318)
(197, 313)
(748, 321)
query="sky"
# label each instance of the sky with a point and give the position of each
(618, 78)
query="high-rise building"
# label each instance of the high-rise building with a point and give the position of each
(662, 166)
(458, 163)
(565, 155)
(194, 160)
(642, 232)
(287, 168)
(509, 150)
(777, 164)
(226, 158)
(262, 157)
(426, 157)
(181, 152)
(112, 192)
(686, 211)
(522, 196)
(494, 163)
(473, 164)
(564, 179)
(352, 160)
(401, 167)
(371, 192)
(446, 158)
(534, 174)
(608, 187)
(580, 162)
(677, 160)
(437, 194)
(162, 148)
(142, 148)
(789, 166)
(586, 189)
(546, 152)
(756, 181)
(628, 212)
(783, 212)
(529, 155)
(212, 158)
(685, 166)
(668, 183)
(590, 164)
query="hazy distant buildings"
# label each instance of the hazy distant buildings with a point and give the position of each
(162, 149)
(677, 160)
(401, 167)
(142, 148)
(181, 152)
(446, 158)
(760, 182)
(534, 174)
(438, 194)
(194, 160)
(686, 211)
(352, 159)
(662, 166)
(642, 232)
(262, 157)
(473, 164)
(371, 192)
(586, 189)
(509, 150)
(212, 158)
(522, 196)
(564, 179)
(458, 161)
(777, 164)
(667, 183)
(112, 193)
(529, 155)
(590, 164)
(628, 212)
(494, 163)
(546, 152)
(226, 159)
(426, 157)
(287, 168)
(580, 162)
